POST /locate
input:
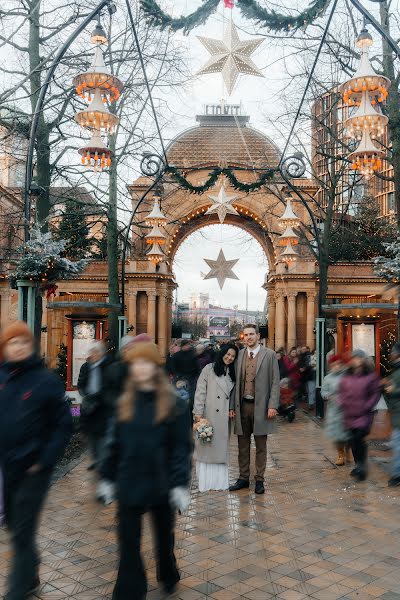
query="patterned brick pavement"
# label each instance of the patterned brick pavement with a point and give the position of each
(314, 534)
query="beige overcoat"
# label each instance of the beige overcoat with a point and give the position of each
(212, 401)
(267, 391)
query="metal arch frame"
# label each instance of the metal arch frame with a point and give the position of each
(152, 165)
(39, 107)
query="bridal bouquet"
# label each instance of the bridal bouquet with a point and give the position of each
(203, 431)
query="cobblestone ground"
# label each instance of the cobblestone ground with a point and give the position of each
(314, 534)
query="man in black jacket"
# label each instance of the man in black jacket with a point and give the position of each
(35, 427)
(96, 409)
(185, 366)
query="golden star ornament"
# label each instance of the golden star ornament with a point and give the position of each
(222, 204)
(230, 56)
(221, 269)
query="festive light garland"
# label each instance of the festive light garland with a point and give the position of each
(251, 9)
(213, 178)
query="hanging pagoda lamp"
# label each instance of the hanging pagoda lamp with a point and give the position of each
(99, 36)
(98, 76)
(289, 217)
(289, 254)
(96, 115)
(366, 118)
(365, 79)
(156, 217)
(96, 154)
(367, 158)
(288, 237)
(155, 254)
(156, 236)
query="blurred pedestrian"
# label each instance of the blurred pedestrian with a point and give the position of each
(392, 389)
(35, 428)
(96, 409)
(291, 362)
(256, 404)
(358, 393)
(280, 353)
(148, 457)
(186, 366)
(205, 355)
(334, 421)
(173, 349)
(214, 401)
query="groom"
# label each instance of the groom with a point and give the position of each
(255, 404)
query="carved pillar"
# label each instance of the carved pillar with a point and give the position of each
(163, 323)
(170, 300)
(132, 299)
(291, 322)
(271, 321)
(151, 314)
(279, 320)
(310, 337)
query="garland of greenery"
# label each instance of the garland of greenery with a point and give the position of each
(278, 21)
(249, 8)
(213, 178)
(156, 16)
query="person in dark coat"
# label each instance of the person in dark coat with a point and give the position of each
(392, 390)
(35, 428)
(96, 409)
(186, 366)
(280, 354)
(148, 458)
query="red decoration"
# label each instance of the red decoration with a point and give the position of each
(229, 3)
(48, 288)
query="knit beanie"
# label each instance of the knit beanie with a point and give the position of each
(15, 329)
(146, 350)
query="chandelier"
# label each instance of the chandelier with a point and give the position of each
(98, 87)
(289, 238)
(289, 254)
(289, 217)
(156, 237)
(366, 90)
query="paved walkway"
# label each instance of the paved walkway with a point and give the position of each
(314, 534)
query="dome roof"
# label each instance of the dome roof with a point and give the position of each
(221, 139)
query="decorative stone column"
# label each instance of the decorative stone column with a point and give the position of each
(271, 321)
(163, 323)
(170, 301)
(151, 313)
(310, 337)
(132, 299)
(291, 324)
(279, 320)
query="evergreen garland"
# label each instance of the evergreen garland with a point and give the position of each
(61, 368)
(213, 178)
(278, 21)
(156, 16)
(249, 8)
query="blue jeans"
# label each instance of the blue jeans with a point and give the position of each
(396, 453)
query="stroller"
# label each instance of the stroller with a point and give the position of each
(287, 406)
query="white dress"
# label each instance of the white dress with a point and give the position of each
(214, 476)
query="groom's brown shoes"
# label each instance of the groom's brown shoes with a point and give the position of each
(241, 484)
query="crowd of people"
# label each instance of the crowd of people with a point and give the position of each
(142, 417)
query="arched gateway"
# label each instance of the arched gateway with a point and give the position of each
(221, 138)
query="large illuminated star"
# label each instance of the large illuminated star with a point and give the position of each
(230, 56)
(222, 204)
(221, 269)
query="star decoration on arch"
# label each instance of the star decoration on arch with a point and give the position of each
(221, 269)
(230, 56)
(222, 204)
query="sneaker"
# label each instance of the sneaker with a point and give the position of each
(394, 481)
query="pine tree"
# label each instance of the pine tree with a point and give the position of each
(61, 368)
(372, 232)
(74, 229)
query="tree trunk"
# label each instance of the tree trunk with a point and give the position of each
(393, 106)
(112, 251)
(42, 139)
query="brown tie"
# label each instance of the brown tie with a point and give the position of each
(251, 355)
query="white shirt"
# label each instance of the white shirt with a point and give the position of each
(255, 351)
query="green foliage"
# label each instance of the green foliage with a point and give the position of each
(213, 178)
(61, 368)
(363, 238)
(74, 230)
(251, 9)
(196, 325)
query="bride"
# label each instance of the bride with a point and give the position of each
(212, 402)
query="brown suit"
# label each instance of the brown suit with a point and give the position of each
(252, 418)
